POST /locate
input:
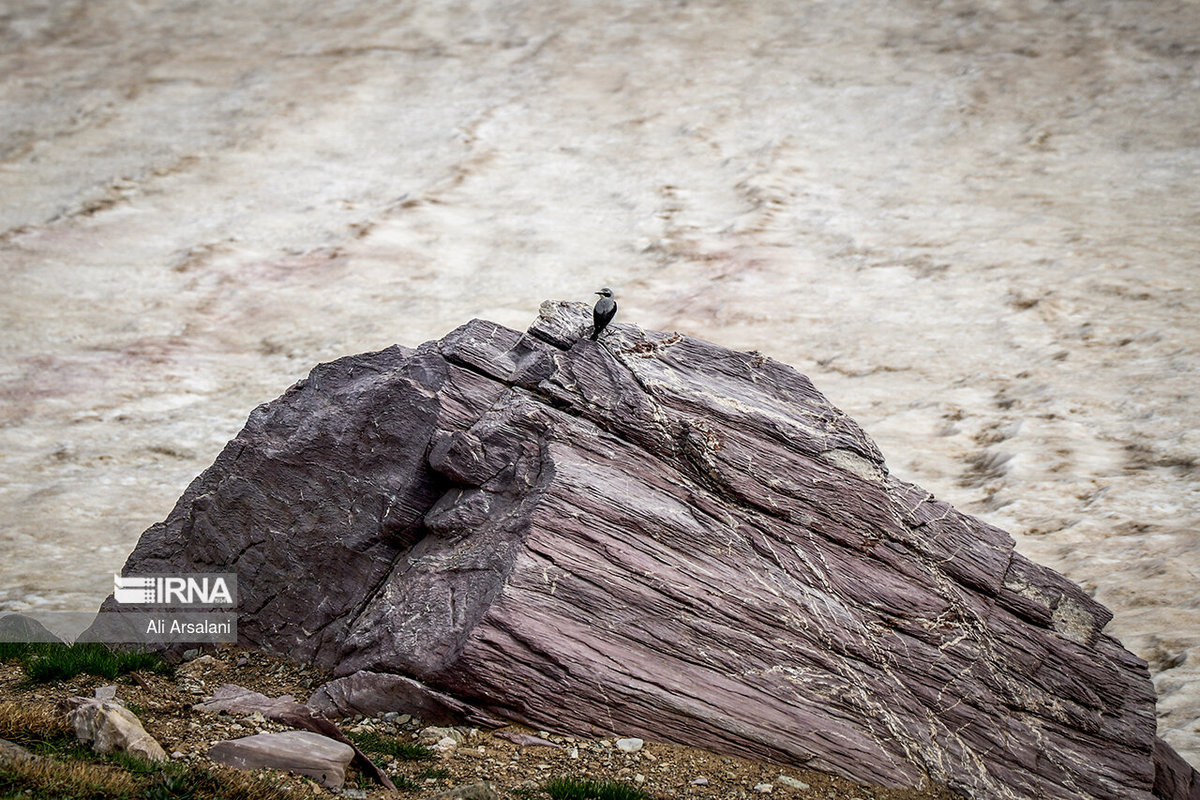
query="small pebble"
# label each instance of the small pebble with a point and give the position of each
(764, 788)
(792, 783)
(629, 745)
(700, 782)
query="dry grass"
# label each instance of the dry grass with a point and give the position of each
(52, 779)
(65, 780)
(68, 770)
(28, 723)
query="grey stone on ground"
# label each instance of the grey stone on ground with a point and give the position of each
(630, 745)
(657, 536)
(433, 734)
(12, 752)
(475, 791)
(234, 699)
(300, 752)
(109, 726)
(526, 739)
(791, 783)
(20, 628)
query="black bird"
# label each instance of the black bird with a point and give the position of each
(605, 310)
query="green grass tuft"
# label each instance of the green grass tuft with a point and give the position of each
(371, 742)
(174, 786)
(405, 783)
(53, 662)
(14, 650)
(136, 764)
(587, 789)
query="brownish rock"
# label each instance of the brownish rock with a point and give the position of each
(235, 699)
(300, 752)
(657, 537)
(366, 692)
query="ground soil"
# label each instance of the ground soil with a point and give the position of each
(165, 707)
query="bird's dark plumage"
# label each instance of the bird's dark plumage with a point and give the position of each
(605, 310)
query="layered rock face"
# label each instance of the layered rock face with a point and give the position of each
(655, 536)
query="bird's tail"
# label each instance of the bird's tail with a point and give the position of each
(595, 333)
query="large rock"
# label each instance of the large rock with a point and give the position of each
(655, 536)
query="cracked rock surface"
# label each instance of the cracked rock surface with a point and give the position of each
(656, 536)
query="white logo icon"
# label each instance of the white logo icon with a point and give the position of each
(134, 590)
(174, 590)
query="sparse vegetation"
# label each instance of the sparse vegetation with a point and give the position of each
(33, 715)
(567, 788)
(128, 779)
(135, 765)
(44, 662)
(28, 724)
(44, 779)
(405, 783)
(70, 770)
(376, 744)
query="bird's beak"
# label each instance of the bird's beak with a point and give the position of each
(597, 292)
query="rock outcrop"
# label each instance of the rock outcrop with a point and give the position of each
(654, 536)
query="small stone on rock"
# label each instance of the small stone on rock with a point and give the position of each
(792, 783)
(700, 782)
(764, 788)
